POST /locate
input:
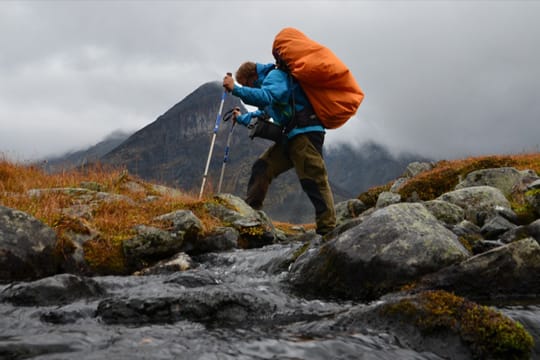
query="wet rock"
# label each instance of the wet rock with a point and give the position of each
(220, 239)
(213, 305)
(11, 349)
(179, 262)
(66, 315)
(26, 247)
(282, 263)
(151, 245)
(393, 246)
(56, 290)
(478, 202)
(509, 271)
(441, 323)
(193, 279)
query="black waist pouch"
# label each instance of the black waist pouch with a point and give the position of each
(262, 127)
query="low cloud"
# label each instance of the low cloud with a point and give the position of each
(443, 79)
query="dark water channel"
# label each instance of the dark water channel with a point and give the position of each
(208, 319)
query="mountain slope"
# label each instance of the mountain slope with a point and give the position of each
(173, 150)
(92, 154)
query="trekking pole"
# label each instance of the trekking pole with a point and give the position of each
(216, 127)
(227, 149)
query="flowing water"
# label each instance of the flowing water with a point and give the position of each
(281, 324)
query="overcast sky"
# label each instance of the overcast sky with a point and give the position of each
(445, 79)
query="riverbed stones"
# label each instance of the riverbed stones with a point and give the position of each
(222, 238)
(179, 262)
(509, 271)
(55, 290)
(210, 305)
(392, 247)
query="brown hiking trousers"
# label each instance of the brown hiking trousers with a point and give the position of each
(304, 153)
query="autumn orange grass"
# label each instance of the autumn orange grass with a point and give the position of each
(114, 220)
(446, 174)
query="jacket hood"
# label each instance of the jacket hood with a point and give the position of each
(263, 70)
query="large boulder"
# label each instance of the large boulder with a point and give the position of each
(504, 179)
(509, 271)
(213, 305)
(440, 323)
(392, 247)
(26, 247)
(478, 202)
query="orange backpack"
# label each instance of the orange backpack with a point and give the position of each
(327, 82)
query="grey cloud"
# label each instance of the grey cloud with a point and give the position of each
(442, 78)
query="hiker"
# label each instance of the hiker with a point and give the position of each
(274, 92)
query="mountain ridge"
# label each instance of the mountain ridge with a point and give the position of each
(173, 150)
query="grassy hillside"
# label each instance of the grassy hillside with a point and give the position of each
(115, 220)
(445, 175)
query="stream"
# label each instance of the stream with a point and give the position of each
(232, 305)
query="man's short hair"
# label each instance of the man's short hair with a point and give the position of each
(245, 72)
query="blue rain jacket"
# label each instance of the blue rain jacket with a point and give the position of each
(271, 94)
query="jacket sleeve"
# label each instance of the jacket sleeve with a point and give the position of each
(245, 119)
(274, 90)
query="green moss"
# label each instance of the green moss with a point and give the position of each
(521, 206)
(446, 175)
(489, 333)
(469, 240)
(302, 249)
